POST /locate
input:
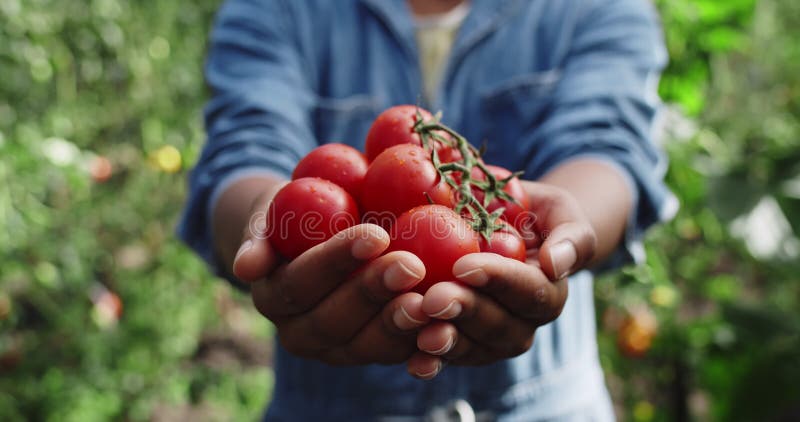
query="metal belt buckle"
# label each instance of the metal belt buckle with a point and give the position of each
(456, 411)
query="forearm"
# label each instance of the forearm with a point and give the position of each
(234, 209)
(604, 195)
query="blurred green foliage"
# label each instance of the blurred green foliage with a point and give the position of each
(722, 278)
(695, 32)
(104, 315)
(121, 80)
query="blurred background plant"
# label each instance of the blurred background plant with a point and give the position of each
(104, 315)
(709, 328)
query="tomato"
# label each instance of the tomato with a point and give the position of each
(506, 242)
(636, 335)
(448, 154)
(101, 169)
(394, 126)
(438, 236)
(516, 214)
(399, 179)
(338, 163)
(306, 212)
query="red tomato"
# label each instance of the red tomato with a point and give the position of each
(515, 214)
(438, 236)
(399, 179)
(338, 163)
(448, 154)
(306, 212)
(394, 126)
(506, 242)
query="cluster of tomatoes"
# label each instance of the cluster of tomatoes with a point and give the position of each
(418, 179)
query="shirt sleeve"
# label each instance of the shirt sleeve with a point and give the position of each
(258, 119)
(606, 106)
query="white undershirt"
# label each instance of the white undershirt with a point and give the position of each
(435, 36)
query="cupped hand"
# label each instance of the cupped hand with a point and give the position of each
(494, 309)
(340, 302)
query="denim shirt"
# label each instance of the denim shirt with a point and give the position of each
(538, 82)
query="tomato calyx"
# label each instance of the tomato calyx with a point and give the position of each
(459, 176)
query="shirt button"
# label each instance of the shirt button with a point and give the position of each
(455, 411)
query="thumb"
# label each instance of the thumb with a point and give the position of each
(568, 248)
(255, 258)
(569, 238)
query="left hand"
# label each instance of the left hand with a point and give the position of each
(494, 311)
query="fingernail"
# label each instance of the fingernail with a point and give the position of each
(404, 321)
(431, 374)
(563, 256)
(446, 348)
(399, 277)
(451, 311)
(475, 277)
(365, 248)
(246, 246)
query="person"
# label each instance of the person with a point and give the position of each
(564, 90)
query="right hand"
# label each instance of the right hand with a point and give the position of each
(340, 302)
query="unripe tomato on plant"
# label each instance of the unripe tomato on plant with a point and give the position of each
(636, 334)
(306, 212)
(101, 169)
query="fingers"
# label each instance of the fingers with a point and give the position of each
(366, 319)
(493, 315)
(346, 310)
(254, 260)
(442, 340)
(440, 343)
(341, 255)
(569, 240)
(389, 338)
(424, 366)
(569, 248)
(255, 257)
(386, 339)
(305, 281)
(481, 318)
(520, 288)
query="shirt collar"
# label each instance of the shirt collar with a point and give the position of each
(481, 20)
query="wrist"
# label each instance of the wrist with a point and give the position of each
(604, 195)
